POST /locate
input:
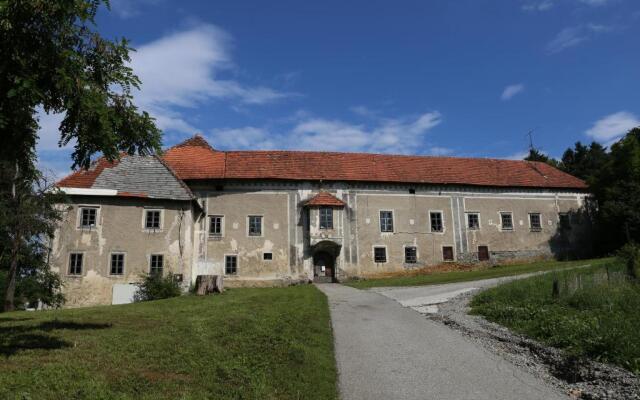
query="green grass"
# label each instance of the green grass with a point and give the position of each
(244, 344)
(463, 276)
(595, 314)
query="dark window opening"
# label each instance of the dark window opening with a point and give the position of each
(473, 221)
(152, 220)
(410, 255)
(75, 264)
(157, 264)
(447, 253)
(436, 221)
(255, 225)
(267, 256)
(231, 265)
(565, 221)
(117, 264)
(506, 220)
(535, 222)
(88, 217)
(386, 221)
(215, 225)
(380, 254)
(326, 218)
(412, 191)
(483, 253)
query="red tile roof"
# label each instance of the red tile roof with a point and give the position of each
(84, 179)
(195, 159)
(325, 199)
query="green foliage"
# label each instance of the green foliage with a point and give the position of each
(269, 343)
(156, 287)
(537, 155)
(594, 314)
(629, 254)
(53, 57)
(584, 162)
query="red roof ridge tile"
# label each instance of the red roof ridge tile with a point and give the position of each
(324, 198)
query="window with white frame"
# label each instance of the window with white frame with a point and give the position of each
(506, 221)
(386, 221)
(231, 265)
(535, 223)
(117, 264)
(380, 254)
(326, 217)
(410, 254)
(215, 225)
(152, 219)
(255, 225)
(473, 221)
(436, 221)
(88, 217)
(156, 264)
(75, 263)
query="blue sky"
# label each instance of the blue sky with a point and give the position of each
(459, 77)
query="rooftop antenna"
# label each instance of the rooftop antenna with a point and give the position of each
(530, 134)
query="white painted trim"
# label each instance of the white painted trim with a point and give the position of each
(466, 216)
(164, 261)
(404, 254)
(483, 195)
(79, 226)
(262, 225)
(224, 264)
(124, 263)
(444, 225)
(222, 226)
(393, 221)
(82, 267)
(513, 221)
(144, 220)
(89, 192)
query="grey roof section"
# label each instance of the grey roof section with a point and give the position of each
(145, 176)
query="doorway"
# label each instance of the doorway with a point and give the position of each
(483, 253)
(323, 266)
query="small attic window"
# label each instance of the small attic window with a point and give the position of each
(219, 188)
(412, 191)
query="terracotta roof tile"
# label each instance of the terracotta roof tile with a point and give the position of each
(325, 199)
(196, 161)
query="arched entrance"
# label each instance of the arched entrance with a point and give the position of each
(325, 254)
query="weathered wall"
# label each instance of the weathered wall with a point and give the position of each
(120, 230)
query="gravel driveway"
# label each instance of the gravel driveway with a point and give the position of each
(387, 351)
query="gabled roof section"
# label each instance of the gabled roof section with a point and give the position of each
(324, 198)
(195, 159)
(131, 176)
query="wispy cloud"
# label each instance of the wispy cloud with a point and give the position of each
(391, 135)
(573, 36)
(517, 156)
(130, 8)
(613, 126)
(595, 3)
(511, 91)
(540, 5)
(183, 70)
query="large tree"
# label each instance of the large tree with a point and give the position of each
(585, 162)
(52, 57)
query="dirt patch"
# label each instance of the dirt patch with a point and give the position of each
(580, 378)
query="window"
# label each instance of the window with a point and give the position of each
(255, 225)
(267, 256)
(535, 222)
(410, 254)
(565, 221)
(157, 264)
(386, 221)
(88, 217)
(483, 253)
(506, 219)
(447, 253)
(436, 221)
(215, 225)
(75, 264)
(231, 265)
(117, 264)
(473, 221)
(326, 218)
(380, 254)
(152, 219)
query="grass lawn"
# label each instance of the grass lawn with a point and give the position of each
(595, 313)
(244, 344)
(473, 275)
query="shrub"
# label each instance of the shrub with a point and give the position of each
(156, 287)
(630, 255)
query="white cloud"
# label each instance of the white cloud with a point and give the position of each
(182, 70)
(541, 5)
(517, 156)
(610, 128)
(130, 8)
(594, 2)
(573, 36)
(392, 135)
(511, 91)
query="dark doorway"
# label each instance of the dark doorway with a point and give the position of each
(483, 253)
(324, 266)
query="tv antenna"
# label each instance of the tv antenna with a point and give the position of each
(530, 135)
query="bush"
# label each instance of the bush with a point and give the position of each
(156, 287)
(630, 255)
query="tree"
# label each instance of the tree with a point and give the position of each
(584, 162)
(537, 155)
(51, 56)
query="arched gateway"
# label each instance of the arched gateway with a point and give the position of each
(325, 254)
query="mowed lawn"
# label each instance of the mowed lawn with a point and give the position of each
(427, 278)
(245, 344)
(594, 313)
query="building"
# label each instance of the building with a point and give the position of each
(265, 218)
